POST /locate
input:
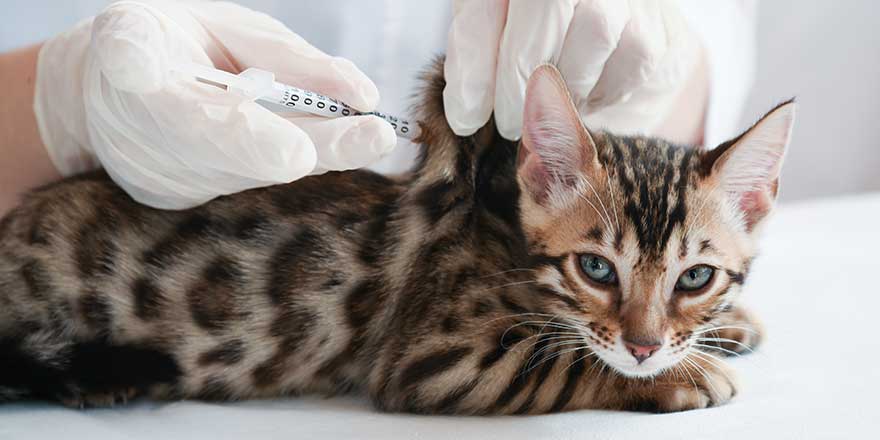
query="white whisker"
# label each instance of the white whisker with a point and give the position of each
(697, 215)
(712, 359)
(715, 347)
(724, 327)
(691, 377)
(547, 323)
(715, 362)
(705, 375)
(552, 319)
(602, 204)
(725, 340)
(555, 335)
(516, 315)
(557, 354)
(506, 271)
(515, 283)
(569, 337)
(591, 353)
(544, 323)
(613, 202)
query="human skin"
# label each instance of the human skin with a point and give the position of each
(25, 163)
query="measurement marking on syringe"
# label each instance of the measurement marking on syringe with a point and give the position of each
(260, 84)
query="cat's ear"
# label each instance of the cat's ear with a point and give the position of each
(555, 146)
(747, 167)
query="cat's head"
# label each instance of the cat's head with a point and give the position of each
(650, 240)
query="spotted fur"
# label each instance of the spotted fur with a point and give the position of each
(446, 290)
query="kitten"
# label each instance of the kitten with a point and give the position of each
(574, 270)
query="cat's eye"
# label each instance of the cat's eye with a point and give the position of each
(598, 269)
(695, 278)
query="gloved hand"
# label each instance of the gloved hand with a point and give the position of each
(106, 91)
(623, 60)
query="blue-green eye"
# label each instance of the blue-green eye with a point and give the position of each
(598, 269)
(695, 278)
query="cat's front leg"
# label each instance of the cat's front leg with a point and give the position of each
(523, 375)
(699, 381)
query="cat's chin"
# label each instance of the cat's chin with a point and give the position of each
(639, 371)
(645, 370)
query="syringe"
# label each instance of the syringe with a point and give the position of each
(261, 84)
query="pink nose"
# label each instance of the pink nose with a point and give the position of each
(641, 352)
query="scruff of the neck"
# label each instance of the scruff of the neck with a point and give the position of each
(471, 176)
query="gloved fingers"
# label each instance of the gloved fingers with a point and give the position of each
(639, 115)
(532, 36)
(471, 63)
(211, 143)
(137, 44)
(153, 183)
(642, 46)
(254, 39)
(140, 167)
(346, 143)
(650, 104)
(595, 30)
(131, 144)
(232, 134)
(681, 55)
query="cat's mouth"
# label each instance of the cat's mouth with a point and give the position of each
(621, 360)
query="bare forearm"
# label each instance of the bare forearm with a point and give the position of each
(25, 163)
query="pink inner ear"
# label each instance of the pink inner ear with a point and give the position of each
(755, 205)
(555, 145)
(534, 173)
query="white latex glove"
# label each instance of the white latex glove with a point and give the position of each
(623, 60)
(106, 90)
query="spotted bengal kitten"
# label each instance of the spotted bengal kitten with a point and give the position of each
(574, 270)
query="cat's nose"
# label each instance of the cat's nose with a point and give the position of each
(642, 351)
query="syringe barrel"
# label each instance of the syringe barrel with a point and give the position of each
(261, 84)
(296, 99)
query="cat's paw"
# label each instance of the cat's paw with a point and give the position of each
(694, 384)
(709, 384)
(106, 399)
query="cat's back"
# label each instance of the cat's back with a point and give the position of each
(79, 243)
(224, 290)
(78, 206)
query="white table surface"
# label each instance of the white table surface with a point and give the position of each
(817, 376)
